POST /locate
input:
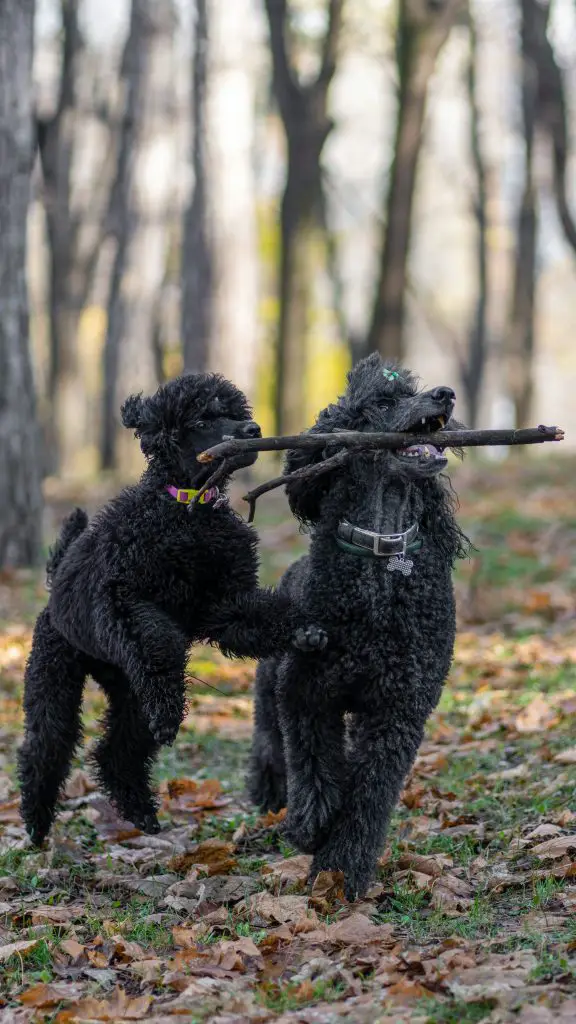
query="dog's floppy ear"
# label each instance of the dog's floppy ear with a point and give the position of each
(131, 412)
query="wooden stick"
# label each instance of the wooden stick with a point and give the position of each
(358, 439)
(299, 474)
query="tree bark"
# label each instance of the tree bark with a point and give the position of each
(304, 113)
(520, 341)
(234, 341)
(423, 28)
(474, 362)
(122, 219)
(21, 504)
(552, 114)
(197, 254)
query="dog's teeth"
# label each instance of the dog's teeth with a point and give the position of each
(423, 421)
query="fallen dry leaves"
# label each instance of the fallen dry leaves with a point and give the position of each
(214, 919)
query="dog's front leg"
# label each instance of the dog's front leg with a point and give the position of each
(152, 651)
(313, 731)
(262, 624)
(384, 749)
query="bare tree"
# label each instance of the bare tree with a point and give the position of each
(473, 361)
(552, 112)
(122, 218)
(197, 254)
(74, 233)
(21, 505)
(520, 339)
(423, 28)
(304, 112)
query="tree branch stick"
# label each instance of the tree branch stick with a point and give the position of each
(359, 439)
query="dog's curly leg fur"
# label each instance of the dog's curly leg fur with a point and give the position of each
(123, 758)
(261, 624)
(151, 650)
(267, 772)
(53, 687)
(313, 731)
(383, 748)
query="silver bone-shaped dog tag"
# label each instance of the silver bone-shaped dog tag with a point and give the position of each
(402, 564)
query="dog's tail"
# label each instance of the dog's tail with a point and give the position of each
(72, 527)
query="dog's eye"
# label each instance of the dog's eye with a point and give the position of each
(200, 424)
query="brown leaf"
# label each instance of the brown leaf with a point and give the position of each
(567, 756)
(280, 909)
(79, 784)
(293, 871)
(434, 864)
(328, 888)
(233, 954)
(358, 930)
(49, 995)
(557, 847)
(193, 795)
(217, 889)
(72, 948)
(10, 812)
(536, 716)
(271, 818)
(451, 895)
(22, 947)
(118, 1007)
(429, 764)
(520, 771)
(56, 914)
(213, 855)
(406, 991)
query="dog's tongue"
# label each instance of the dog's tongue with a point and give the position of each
(428, 450)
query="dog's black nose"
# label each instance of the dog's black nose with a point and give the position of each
(249, 429)
(443, 394)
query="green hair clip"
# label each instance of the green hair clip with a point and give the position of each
(390, 374)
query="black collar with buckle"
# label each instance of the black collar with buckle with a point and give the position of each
(357, 541)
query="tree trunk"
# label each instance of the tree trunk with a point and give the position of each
(21, 504)
(197, 255)
(552, 115)
(423, 28)
(233, 348)
(56, 136)
(520, 341)
(122, 219)
(304, 113)
(475, 359)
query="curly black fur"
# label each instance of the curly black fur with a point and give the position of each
(336, 735)
(130, 591)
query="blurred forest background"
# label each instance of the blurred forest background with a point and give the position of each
(273, 188)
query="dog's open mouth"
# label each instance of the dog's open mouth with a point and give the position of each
(427, 454)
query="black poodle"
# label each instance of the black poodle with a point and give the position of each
(336, 735)
(132, 589)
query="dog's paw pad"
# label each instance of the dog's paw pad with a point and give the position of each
(313, 638)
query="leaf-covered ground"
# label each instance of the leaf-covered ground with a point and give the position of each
(472, 915)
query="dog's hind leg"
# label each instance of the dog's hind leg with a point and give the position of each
(267, 771)
(124, 757)
(53, 687)
(314, 743)
(385, 745)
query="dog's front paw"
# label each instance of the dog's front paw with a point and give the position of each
(164, 729)
(312, 638)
